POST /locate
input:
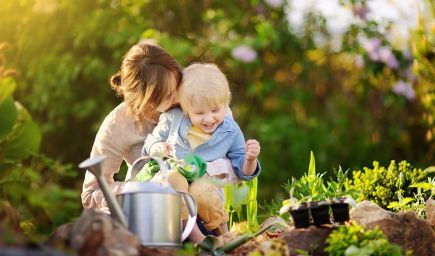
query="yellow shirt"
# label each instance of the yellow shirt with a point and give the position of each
(197, 137)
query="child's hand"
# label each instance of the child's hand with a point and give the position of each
(162, 149)
(252, 149)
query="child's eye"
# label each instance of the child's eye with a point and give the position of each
(215, 110)
(198, 113)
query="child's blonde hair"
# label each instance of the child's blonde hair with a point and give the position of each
(206, 81)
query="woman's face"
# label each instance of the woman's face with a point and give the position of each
(172, 98)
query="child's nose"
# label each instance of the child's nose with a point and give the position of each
(208, 118)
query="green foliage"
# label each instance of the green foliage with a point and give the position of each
(425, 191)
(423, 48)
(7, 107)
(241, 199)
(304, 95)
(37, 189)
(354, 240)
(31, 183)
(383, 185)
(23, 140)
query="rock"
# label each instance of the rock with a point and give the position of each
(312, 240)
(367, 211)
(430, 212)
(276, 247)
(279, 224)
(149, 251)
(60, 238)
(405, 228)
(96, 233)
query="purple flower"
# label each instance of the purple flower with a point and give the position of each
(372, 48)
(404, 89)
(359, 61)
(275, 3)
(360, 10)
(244, 53)
(387, 56)
(260, 9)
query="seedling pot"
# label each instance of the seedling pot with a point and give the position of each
(340, 211)
(301, 217)
(320, 214)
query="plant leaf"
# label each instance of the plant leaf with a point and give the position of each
(8, 116)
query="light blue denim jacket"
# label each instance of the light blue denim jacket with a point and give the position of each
(226, 141)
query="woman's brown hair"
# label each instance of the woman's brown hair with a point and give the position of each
(144, 79)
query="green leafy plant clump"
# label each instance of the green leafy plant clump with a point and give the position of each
(354, 240)
(313, 186)
(384, 185)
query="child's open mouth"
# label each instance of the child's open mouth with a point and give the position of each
(208, 127)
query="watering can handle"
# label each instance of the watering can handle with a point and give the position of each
(137, 166)
(193, 211)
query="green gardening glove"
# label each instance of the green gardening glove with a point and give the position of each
(191, 167)
(148, 171)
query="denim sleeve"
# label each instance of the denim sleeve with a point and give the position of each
(159, 134)
(236, 154)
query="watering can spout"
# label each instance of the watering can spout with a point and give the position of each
(93, 165)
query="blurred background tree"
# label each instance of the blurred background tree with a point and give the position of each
(294, 89)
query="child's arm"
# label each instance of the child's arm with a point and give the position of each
(155, 142)
(245, 166)
(252, 152)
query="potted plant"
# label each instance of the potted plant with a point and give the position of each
(298, 209)
(320, 212)
(301, 216)
(340, 210)
(342, 197)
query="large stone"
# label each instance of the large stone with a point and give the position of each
(405, 228)
(430, 212)
(366, 212)
(96, 233)
(311, 240)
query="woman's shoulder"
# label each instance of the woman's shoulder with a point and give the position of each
(120, 121)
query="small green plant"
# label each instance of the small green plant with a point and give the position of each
(336, 187)
(386, 185)
(242, 199)
(312, 186)
(355, 240)
(425, 191)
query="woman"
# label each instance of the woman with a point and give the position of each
(148, 81)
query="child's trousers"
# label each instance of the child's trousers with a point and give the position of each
(209, 198)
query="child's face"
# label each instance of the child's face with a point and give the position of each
(206, 117)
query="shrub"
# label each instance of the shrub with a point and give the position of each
(355, 240)
(385, 185)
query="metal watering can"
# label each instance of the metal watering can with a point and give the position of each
(150, 210)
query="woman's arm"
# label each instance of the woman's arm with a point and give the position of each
(119, 137)
(104, 144)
